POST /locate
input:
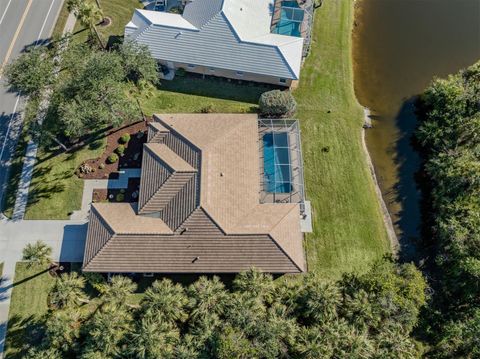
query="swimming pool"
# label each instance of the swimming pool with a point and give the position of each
(291, 17)
(276, 157)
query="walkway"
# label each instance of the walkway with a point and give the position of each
(32, 147)
(67, 238)
(90, 185)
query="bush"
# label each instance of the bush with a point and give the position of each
(207, 109)
(120, 150)
(112, 158)
(125, 138)
(180, 72)
(101, 166)
(277, 103)
(120, 197)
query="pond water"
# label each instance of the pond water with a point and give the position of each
(399, 46)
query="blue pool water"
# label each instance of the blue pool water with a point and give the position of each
(290, 20)
(276, 158)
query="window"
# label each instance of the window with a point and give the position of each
(190, 66)
(239, 73)
(283, 81)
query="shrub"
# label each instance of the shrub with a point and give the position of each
(120, 150)
(277, 103)
(207, 109)
(112, 158)
(101, 166)
(120, 197)
(180, 72)
(125, 138)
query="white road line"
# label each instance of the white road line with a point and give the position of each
(9, 126)
(44, 22)
(5, 12)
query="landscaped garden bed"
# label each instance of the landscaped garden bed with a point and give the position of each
(124, 150)
(129, 194)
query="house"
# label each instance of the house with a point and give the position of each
(219, 193)
(252, 40)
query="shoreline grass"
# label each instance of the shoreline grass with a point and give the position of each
(349, 232)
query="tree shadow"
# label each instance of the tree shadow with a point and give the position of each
(216, 87)
(406, 189)
(23, 333)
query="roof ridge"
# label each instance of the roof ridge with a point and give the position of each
(108, 227)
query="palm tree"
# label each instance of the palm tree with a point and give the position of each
(208, 296)
(117, 291)
(37, 253)
(68, 290)
(255, 284)
(89, 16)
(154, 339)
(165, 301)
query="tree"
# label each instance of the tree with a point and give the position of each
(63, 329)
(138, 64)
(37, 253)
(277, 103)
(68, 291)
(93, 95)
(165, 301)
(117, 291)
(89, 16)
(153, 339)
(30, 73)
(107, 331)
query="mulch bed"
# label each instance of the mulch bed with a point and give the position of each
(118, 195)
(132, 157)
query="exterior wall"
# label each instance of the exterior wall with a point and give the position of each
(246, 76)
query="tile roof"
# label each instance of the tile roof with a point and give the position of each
(218, 205)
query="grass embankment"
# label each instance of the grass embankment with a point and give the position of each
(28, 305)
(348, 227)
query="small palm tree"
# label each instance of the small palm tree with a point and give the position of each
(37, 253)
(89, 16)
(68, 290)
(166, 301)
(118, 290)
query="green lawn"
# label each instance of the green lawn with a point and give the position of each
(120, 12)
(61, 21)
(194, 94)
(348, 228)
(55, 191)
(28, 305)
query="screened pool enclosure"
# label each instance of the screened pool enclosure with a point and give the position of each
(281, 164)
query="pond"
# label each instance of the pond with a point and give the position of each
(399, 46)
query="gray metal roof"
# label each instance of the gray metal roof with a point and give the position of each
(227, 34)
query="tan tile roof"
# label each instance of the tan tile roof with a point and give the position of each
(166, 155)
(122, 218)
(227, 149)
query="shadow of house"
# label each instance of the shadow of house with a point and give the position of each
(73, 243)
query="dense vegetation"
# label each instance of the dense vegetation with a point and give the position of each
(450, 137)
(359, 316)
(90, 86)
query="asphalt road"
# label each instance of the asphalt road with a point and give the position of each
(23, 23)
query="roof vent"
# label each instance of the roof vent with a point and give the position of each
(195, 259)
(221, 174)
